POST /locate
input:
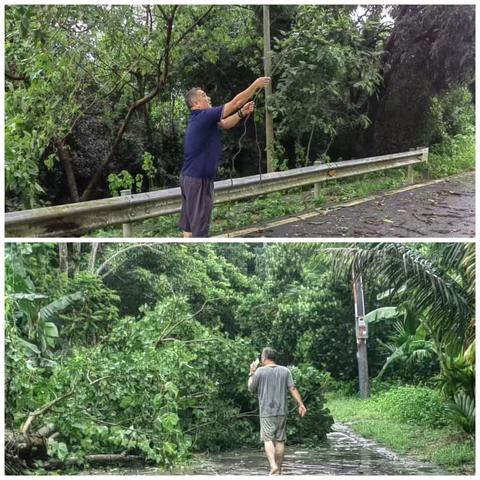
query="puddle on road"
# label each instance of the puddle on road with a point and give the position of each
(344, 453)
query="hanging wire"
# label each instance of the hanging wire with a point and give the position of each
(240, 147)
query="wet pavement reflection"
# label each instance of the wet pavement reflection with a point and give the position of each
(344, 453)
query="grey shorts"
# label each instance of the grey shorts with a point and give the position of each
(197, 205)
(273, 428)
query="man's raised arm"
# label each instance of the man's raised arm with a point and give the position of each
(243, 97)
(232, 120)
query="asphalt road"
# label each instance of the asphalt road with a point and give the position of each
(442, 209)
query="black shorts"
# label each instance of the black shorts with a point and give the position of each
(197, 205)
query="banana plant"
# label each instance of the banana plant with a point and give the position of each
(411, 342)
(38, 323)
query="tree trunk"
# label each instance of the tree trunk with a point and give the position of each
(26, 447)
(66, 159)
(63, 258)
(77, 249)
(93, 257)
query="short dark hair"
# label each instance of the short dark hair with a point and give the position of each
(190, 96)
(269, 354)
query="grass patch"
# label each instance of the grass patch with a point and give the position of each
(445, 446)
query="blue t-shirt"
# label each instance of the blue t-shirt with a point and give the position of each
(202, 148)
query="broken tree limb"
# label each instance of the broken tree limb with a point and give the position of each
(47, 430)
(114, 459)
(40, 411)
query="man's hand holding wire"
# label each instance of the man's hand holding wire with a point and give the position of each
(248, 108)
(262, 82)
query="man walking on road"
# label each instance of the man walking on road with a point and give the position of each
(272, 382)
(202, 152)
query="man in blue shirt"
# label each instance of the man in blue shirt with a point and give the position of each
(202, 152)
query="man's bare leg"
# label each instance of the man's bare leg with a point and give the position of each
(270, 452)
(279, 451)
(187, 234)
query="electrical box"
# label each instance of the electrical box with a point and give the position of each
(362, 328)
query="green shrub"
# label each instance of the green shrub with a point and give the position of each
(452, 113)
(416, 405)
(318, 421)
(454, 155)
(344, 388)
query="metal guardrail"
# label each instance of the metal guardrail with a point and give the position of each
(77, 218)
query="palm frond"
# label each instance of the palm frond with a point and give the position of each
(462, 412)
(432, 290)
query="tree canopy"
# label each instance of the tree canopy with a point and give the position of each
(147, 346)
(93, 93)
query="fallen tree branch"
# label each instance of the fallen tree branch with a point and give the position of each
(32, 416)
(114, 459)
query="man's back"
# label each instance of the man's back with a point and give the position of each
(202, 148)
(272, 383)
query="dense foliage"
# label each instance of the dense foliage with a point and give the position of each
(144, 348)
(94, 93)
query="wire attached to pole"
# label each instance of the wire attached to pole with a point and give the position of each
(232, 162)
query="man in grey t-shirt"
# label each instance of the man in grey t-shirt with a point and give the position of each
(272, 382)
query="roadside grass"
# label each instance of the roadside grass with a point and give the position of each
(445, 446)
(453, 156)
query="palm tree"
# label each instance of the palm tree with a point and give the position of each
(440, 285)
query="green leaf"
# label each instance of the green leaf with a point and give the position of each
(381, 314)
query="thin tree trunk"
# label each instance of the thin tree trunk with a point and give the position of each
(77, 249)
(63, 258)
(66, 159)
(307, 155)
(93, 257)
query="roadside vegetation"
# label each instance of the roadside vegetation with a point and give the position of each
(420, 427)
(94, 93)
(141, 351)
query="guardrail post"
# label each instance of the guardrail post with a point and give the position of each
(410, 170)
(425, 154)
(317, 186)
(410, 174)
(127, 227)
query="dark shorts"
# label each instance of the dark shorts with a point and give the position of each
(197, 205)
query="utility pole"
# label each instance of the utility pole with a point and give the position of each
(267, 53)
(361, 334)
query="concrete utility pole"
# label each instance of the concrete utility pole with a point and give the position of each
(362, 335)
(268, 90)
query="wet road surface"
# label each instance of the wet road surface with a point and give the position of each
(442, 209)
(344, 453)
